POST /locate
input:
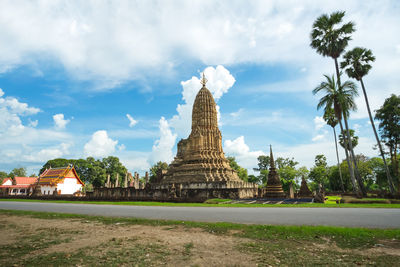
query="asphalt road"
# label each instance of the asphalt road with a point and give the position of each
(350, 217)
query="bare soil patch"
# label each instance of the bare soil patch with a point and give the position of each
(28, 241)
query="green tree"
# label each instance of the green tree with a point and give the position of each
(263, 168)
(242, 172)
(3, 174)
(319, 174)
(330, 37)
(341, 99)
(254, 179)
(389, 127)
(155, 168)
(114, 168)
(18, 172)
(343, 141)
(357, 64)
(331, 120)
(95, 173)
(288, 172)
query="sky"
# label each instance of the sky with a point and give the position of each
(118, 78)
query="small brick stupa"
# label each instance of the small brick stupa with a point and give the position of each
(304, 190)
(274, 185)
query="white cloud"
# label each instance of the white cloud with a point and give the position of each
(219, 82)
(48, 153)
(60, 122)
(19, 108)
(33, 123)
(121, 147)
(319, 122)
(241, 151)
(132, 122)
(1, 92)
(318, 137)
(100, 145)
(162, 148)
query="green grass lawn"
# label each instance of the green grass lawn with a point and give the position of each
(331, 203)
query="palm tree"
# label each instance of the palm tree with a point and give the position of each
(331, 120)
(330, 39)
(356, 64)
(341, 99)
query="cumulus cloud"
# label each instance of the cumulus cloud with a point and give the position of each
(319, 122)
(59, 121)
(48, 153)
(241, 151)
(162, 148)
(220, 80)
(33, 123)
(132, 122)
(10, 111)
(24, 144)
(100, 145)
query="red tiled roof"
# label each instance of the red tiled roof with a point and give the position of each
(5, 180)
(16, 186)
(25, 180)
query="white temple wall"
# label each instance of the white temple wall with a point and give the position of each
(69, 186)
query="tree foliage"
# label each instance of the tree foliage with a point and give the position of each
(343, 140)
(389, 127)
(18, 172)
(242, 172)
(155, 168)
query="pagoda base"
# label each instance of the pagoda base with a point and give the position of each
(274, 191)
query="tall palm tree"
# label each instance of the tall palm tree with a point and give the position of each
(341, 99)
(331, 120)
(330, 39)
(356, 64)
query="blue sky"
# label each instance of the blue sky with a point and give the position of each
(71, 72)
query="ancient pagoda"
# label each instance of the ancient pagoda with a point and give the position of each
(200, 161)
(274, 185)
(304, 190)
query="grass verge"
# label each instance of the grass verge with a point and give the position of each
(329, 204)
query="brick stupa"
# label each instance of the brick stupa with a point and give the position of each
(200, 161)
(304, 190)
(274, 185)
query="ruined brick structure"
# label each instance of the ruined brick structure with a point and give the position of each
(200, 161)
(304, 190)
(274, 184)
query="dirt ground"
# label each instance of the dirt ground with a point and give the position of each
(27, 241)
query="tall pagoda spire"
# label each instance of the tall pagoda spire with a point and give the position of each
(271, 158)
(203, 80)
(274, 184)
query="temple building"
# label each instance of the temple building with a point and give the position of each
(59, 181)
(200, 161)
(17, 186)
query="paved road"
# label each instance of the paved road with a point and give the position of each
(351, 217)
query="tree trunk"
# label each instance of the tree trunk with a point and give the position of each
(337, 72)
(353, 180)
(351, 171)
(389, 177)
(338, 162)
(349, 141)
